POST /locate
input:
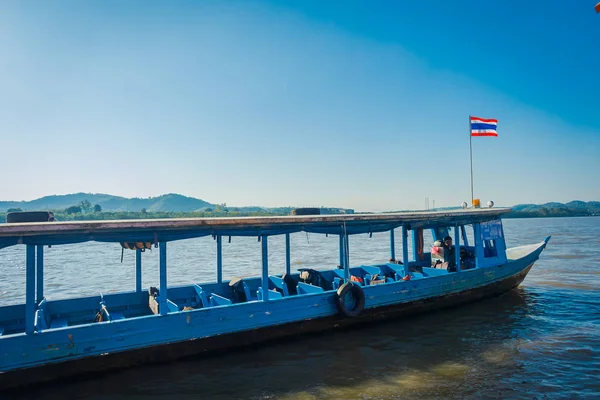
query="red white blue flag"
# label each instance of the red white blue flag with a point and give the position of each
(483, 127)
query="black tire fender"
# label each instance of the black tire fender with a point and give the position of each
(359, 299)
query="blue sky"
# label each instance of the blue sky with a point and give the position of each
(307, 103)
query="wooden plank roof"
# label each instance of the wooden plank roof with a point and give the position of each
(182, 228)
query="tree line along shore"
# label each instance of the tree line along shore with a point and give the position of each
(86, 211)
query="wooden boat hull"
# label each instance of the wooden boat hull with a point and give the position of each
(383, 302)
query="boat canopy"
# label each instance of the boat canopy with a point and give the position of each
(166, 230)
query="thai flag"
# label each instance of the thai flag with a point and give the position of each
(483, 127)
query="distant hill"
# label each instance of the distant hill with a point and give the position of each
(553, 209)
(177, 203)
(167, 202)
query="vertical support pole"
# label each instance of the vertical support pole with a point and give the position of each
(138, 270)
(457, 247)
(392, 245)
(219, 259)
(265, 269)
(477, 243)
(162, 266)
(463, 231)
(405, 247)
(471, 156)
(415, 242)
(346, 256)
(288, 264)
(30, 289)
(40, 273)
(342, 245)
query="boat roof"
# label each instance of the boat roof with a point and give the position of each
(164, 230)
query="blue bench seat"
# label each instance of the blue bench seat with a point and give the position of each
(273, 294)
(279, 284)
(427, 271)
(247, 292)
(339, 273)
(202, 297)
(337, 282)
(216, 300)
(305, 288)
(371, 270)
(172, 306)
(58, 323)
(115, 316)
(397, 268)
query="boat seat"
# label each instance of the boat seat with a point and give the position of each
(115, 316)
(339, 273)
(417, 275)
(216, 300)
(247, 292)
(240, 290)
(379, 278)
(202, 297)
(305, 288)
(279, 284)
(396, 271)
(428, 271)
(273, 294)
(371, 270)
(41, 316)
(172, 306)
(58, 323)
(337, 282)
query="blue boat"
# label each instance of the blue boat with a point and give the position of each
(46, 339)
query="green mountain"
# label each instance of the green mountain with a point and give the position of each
(176, 203)
(167, 202)
(553, 209)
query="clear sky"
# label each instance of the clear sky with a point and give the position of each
(359, 104)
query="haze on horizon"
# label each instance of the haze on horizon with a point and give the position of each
(352, 104)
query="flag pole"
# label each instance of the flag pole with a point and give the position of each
(471, 154)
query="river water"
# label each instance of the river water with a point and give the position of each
(541, 340)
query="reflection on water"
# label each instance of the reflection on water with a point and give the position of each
(540, 340)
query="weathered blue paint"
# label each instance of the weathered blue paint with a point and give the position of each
(40, 274)
(150, 330)
(457, 248)
(138, 270)
(392, 245)
(219, 259)
(265, 269)
(30, 289)
(213, 311)
(404, 245)
(162, 266)
(288, 264)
